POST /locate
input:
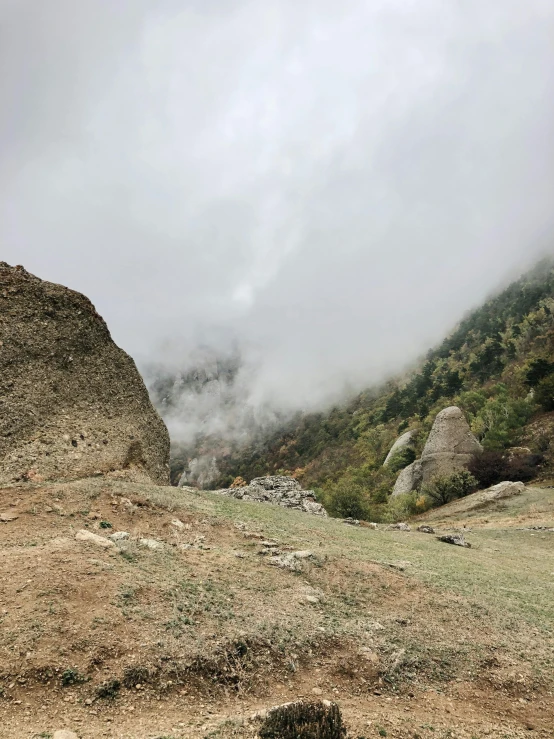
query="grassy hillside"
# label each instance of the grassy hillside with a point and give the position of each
(498, 366)
(413, 638)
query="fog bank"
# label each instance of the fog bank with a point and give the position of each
(324, 188)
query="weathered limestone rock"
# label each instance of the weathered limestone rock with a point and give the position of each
(450, 446)
(410, 478)
(426, 529)
(279, 490)
(406, 440)
(72, 403)
(90, 538)
(503, 490)
(457, 540)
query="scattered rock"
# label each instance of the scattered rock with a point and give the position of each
(64, 734)
(317, 720)
(302, 554)
(7, 517)
(398, 527)
(456, 539)
(73, 402)
(351, 521)
(151, 543)
(178, 524)
(278, 490)
(317, 691)
(119, 536)
(426, 529)
(90, 538)
(291, 560)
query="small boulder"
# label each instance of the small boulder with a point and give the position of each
(119, 536)
(426, 529)
(151, 543)
(399, 527)
(291, 560)
(64, 734)
(456, 539)
(96, 539)
(8, 517)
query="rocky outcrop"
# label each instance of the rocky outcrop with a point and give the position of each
(279, 490)
(409, 479)
(503, 490)
(450, 447)
(406, 441)
(72, 403)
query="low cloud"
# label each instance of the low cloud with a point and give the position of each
(323, 187)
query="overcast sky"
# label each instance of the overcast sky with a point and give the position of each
(332, 184)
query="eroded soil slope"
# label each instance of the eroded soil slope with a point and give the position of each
(190, 631)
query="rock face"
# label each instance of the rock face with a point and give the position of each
(403, 442)
(279, 490)
(504, 490)
(450, 446)
(72, 404)
(410, 478)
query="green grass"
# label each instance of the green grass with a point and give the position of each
(506, 570)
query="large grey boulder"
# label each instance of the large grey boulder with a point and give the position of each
(403, 442)
(278, 490)
(450, 447)
(409, 479)
(72, 403)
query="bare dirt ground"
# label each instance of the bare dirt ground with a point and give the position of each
(412, 637)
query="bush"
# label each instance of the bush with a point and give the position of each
(401, 459)
(544, 394)
(304, 721)
(490, 468)
(347, 499)
(402, 507)
(445, 488)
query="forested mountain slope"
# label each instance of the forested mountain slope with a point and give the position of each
(497, 366)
